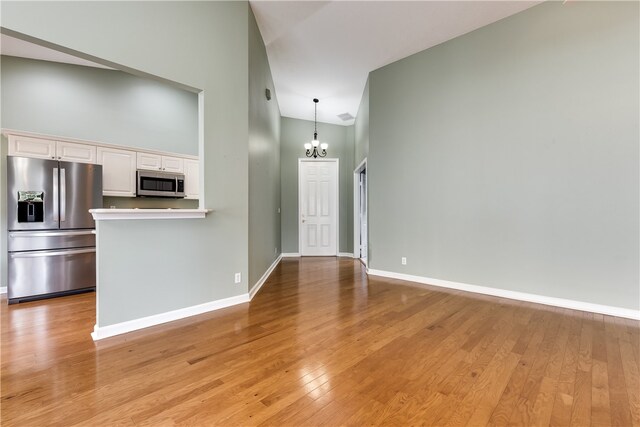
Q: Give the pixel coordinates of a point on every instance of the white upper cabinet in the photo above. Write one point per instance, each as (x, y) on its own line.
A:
(118, 171)
(118, 165)
(149, 161)
(191, 179)
(72, 152)
(26, 146)
(40, 148)
(172, 164)
(158, 162)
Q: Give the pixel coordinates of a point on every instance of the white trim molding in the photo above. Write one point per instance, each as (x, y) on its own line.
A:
(157, 319)
(515, 295)
(301, 161)
(345, 254)
(264, 278)
(3, 289)
(124, 214)
(357, 250)
(291, 255)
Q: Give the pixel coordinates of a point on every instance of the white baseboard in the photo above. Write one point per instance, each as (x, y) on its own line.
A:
(3, 289)
(264, 278)
(297, 255)
(157, 319)
(521, 296)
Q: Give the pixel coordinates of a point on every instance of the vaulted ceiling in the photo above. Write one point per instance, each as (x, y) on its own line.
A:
(326, 49)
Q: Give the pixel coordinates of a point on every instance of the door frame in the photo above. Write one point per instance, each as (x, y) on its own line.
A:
(356, 208)
(310, 160)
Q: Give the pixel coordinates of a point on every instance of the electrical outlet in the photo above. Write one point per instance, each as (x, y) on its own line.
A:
(404, 260)
(275, 250)
(278, 210)
(238, 277)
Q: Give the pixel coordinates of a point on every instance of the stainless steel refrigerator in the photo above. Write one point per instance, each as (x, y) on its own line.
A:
(51, 238)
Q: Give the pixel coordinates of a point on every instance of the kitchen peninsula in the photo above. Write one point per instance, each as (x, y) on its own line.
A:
(168, 213)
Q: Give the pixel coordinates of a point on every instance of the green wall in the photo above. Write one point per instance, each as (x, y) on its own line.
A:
(99, 105)
(201, 45)
(508, 157)
(264, 160)
(361, 127)
(295, 133)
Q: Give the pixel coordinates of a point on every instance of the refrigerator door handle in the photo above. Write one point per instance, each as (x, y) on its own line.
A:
(63, 195)
(55, 195)
(38, 254)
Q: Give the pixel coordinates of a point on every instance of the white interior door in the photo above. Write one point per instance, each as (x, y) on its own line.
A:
(318, 207)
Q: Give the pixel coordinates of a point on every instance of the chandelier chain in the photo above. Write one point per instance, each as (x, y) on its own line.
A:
(314, 148)
(315, 117)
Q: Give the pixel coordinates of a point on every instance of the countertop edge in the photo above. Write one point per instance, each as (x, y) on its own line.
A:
(127, 214)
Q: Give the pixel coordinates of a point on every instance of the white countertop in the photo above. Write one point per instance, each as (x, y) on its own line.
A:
(125, 214)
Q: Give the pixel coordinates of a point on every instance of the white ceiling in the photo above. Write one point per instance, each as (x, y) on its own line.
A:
(326, 49)
(12, 46)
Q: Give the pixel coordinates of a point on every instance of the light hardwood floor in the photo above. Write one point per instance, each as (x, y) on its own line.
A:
(322, 344)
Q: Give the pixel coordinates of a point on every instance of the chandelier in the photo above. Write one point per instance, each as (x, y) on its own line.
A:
(312, 147)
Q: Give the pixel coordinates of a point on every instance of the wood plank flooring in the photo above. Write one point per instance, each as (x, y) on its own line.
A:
(323, 344)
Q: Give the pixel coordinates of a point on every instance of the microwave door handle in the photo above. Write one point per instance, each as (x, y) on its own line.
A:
(55, 195)
(63, 195)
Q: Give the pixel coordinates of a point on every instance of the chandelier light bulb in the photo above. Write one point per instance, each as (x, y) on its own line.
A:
(315, 142)
(307, 146)
(324, 146)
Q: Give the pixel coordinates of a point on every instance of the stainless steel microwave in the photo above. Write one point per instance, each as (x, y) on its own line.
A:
(159, 184)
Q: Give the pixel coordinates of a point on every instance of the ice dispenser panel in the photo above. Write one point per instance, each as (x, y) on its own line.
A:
(30, 206)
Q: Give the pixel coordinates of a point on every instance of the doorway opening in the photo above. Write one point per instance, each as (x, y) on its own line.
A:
(360, 215)
(318, 207)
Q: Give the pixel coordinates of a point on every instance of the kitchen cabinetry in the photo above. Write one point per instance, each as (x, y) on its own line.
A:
(40, 148)
(149, 161)
(26, 146)
(172, 164)
(191, 179)
(118, 171)
(158, 162)
(118, 165)
(72, 152)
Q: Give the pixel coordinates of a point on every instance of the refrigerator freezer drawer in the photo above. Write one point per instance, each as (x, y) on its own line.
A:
(47, 240)
(33, 274)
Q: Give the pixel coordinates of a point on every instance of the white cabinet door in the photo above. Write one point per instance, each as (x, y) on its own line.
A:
(149, 161)
(172, 164)
(72, 152)
(118, 172)
(26, 146)
(191, 179)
